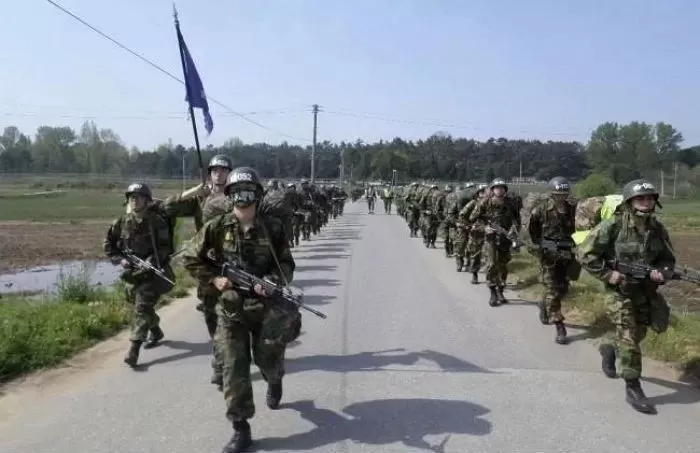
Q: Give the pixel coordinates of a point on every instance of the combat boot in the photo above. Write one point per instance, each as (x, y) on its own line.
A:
(493, 299)
(501, 298)
(607, 354)
(274, 395)
(132, 355)
(636, 398)
(543, 314)
(561, 333)
(459, 262)
(475, 278)
(241, 440)
(155, 337)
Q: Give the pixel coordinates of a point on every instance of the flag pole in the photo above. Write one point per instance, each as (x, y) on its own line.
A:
(189, 96)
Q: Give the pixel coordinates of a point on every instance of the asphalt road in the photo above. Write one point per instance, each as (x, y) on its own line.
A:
(411, 358)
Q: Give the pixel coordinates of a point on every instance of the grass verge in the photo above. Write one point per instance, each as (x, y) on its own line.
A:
(585, 306)
(37, 333)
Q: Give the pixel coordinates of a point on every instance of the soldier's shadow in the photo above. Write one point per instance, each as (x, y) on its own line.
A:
(383, 422)
(376, 361)
(680, 394)
(189, 350)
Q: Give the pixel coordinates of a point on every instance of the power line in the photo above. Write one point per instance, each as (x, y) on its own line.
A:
(430, 123)
(169, 74)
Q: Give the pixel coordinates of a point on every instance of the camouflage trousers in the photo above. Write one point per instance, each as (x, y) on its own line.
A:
(429, 227)
(387, 205)
(460, 236)
(370, 204)
(556, 287)
(207, 306)
(413, 219)
(498, 253)
(475, 248)
(632, 311)
(144, 295)
(244, 335)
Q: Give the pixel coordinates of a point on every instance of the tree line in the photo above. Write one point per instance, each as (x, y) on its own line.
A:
(619, 152)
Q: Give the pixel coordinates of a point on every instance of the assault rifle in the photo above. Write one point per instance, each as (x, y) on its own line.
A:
(144, 265)
(247, 282)
(513, 237)
(641, 271)
(561, 249)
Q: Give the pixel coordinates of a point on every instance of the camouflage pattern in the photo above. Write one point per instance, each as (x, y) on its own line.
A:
(413, 209)
(371, 197)
(501, 212)
(148, 236)
(633, 302)
(202, 209)
(429, 219)
(387, 195)
(472, 242)
(546, 222)
(245, 323)
(588, 213)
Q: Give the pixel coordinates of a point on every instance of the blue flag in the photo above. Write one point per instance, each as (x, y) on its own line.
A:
(194, 85)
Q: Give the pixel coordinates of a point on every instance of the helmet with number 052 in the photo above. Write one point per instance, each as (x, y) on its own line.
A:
(637, 188)
(244, 186)
(559, 185)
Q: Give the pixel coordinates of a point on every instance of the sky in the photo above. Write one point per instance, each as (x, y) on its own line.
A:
(379, 69)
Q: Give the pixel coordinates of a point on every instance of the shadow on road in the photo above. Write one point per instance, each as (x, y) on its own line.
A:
(312, 268)
(680, 394)
(189, 350)
(315, 299)
(327, 249)
(304, 283)
(383, 422)
(377, 361)
(322, 256)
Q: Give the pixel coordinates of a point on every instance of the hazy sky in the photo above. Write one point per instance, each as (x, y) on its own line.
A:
(547, 69)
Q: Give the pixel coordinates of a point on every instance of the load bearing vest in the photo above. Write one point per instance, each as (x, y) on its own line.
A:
(607, 211)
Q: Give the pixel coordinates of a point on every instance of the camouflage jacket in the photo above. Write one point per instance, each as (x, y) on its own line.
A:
(465, 213)
(426, 201)
(618, 238)
(255, 250)
(202, 208)
(147, 236)
(547, 222)
(503, 214)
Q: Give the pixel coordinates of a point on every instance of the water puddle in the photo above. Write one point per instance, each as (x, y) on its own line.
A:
(44, 279)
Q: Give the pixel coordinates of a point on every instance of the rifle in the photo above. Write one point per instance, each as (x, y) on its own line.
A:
(247, 281)
(513, 237)
(145, 265)
(560, 249)
(641, 271)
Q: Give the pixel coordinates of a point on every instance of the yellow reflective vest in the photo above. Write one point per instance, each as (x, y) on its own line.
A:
(607, 211)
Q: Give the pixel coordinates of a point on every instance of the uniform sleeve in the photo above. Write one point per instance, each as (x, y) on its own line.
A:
(176, 206)
(195, 258)
(280, 244)
(534, 226)
(111, 242)
(667, 257)
(477, 212)
(162, 241)
(595, 250)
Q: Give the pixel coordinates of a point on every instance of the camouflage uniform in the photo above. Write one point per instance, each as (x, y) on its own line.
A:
(413, 209)
(387, 199)
(636, 304)
(459, 234)
(371, 197)
(246, 321)
(429, 219)
(555, 223)
(203, 207)
(472, 238)
(147, 235)
(502, 213)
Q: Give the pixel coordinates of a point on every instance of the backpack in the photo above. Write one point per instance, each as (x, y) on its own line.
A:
(158, 209)
(274, 203)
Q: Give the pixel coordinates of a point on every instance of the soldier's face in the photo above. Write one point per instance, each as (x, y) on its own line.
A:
(137, 202)
(219, 175)
(644, 203)
(559, 198)
(498, 191)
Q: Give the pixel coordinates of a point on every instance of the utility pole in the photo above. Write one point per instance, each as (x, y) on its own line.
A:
(313, 145)
(342, 167)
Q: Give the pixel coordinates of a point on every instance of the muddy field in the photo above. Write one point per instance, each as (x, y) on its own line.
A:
(29, 244)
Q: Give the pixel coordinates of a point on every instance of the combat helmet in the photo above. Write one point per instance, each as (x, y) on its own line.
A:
(499, 182)
(220, 160)
(138, 188)
(559, 185)
(638, 188)
(251, 188)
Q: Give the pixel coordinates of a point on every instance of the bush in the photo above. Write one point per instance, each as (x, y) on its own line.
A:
(595, 185)
(77, 287)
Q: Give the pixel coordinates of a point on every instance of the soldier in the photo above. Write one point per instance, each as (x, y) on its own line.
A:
(554, 220)
(204, 202)
(496, 211)
(387, 198)
(633, 234)
(247, 320)
(413, 209)
(147, 234)
(371, 197)
(443, 205)
(429, 218)
(471, 239)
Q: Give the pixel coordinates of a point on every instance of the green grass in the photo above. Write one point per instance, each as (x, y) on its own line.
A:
(586, 306)
(37, 333)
